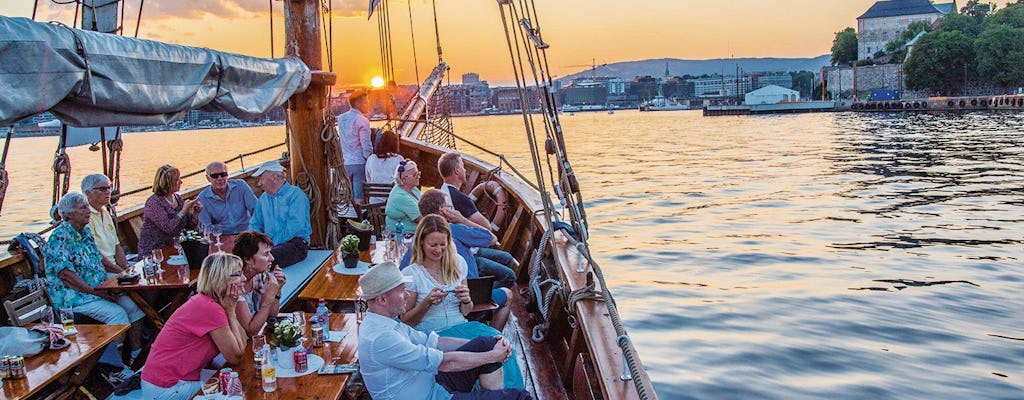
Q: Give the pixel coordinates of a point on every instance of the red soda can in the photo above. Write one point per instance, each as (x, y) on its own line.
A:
(301, 364)
(225, 380)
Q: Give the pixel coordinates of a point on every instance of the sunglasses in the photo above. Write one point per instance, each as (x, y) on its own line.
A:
(218, 175)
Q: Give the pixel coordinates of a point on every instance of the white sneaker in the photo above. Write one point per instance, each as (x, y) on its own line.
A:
(116, 377)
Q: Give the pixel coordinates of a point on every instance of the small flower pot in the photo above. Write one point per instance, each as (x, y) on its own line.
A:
(350, 260)
(195, 252)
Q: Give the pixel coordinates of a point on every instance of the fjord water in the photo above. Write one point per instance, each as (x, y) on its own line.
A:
(839, 256)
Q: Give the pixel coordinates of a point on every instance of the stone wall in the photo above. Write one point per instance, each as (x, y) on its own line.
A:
(840, 79)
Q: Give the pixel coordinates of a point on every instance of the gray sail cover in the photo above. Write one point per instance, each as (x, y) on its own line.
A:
(91, 79)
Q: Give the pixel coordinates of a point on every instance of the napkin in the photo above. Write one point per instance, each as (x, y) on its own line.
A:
(335, 336)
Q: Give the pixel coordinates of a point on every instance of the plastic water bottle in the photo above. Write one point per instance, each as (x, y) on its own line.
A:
(234, 387)
(323, 316)
(399, 229)
(269, 372)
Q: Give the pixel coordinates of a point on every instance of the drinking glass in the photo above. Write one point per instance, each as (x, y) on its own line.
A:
(158, 257)
(216, 232)
(178, 248)
(257, 343)
(46, 316)
(300, 319)
(67, 319)
(211, 391)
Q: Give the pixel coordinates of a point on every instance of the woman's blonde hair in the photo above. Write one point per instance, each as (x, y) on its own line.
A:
(215, 274)
(449, 267)
(166, 176)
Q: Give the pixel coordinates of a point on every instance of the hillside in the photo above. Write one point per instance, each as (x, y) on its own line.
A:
(627, 70)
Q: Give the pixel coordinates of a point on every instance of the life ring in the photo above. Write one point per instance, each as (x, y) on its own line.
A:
(498, 196)
(963, 103)
(950, 103)
(974, 102)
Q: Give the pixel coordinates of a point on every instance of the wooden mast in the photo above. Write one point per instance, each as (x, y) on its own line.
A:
(308, 166)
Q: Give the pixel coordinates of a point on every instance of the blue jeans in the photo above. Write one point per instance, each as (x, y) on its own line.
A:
(497, 263)
(460, 383)
(123, 312)
(357, 174)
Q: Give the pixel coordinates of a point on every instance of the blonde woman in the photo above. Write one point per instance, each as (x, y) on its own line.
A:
(166, 214)
(438, 297)
(203, 327)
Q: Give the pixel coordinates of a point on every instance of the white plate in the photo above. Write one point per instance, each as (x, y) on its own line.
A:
(177, 260)
(358, 270)
(313, 363)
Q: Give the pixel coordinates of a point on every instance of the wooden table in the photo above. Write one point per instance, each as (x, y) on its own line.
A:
(53, 365)
(313, 385)
(179, 278)
(334, 287)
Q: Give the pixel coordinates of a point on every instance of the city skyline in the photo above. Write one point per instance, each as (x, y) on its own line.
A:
(472, 38)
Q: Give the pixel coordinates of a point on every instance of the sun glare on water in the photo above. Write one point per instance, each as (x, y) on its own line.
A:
(377, 82)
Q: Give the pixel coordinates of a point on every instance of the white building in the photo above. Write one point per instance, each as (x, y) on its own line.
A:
(886, 20)
(771, 94)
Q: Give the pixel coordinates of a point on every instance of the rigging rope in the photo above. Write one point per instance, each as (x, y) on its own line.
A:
(412, 32)
(4, 181)
(270, 8)
(437, 33)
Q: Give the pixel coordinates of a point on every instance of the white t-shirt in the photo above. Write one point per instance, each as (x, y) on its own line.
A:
(439, 316)
(381, 171)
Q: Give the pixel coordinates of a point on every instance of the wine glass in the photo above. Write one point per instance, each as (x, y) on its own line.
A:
(178, 248)
(46, 316)
(257, 343)
(158, 258)
(216, 232)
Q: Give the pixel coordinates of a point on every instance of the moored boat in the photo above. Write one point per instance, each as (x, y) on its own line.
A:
(565, 324)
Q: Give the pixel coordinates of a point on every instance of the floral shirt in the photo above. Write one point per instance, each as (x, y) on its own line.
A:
(68, 249)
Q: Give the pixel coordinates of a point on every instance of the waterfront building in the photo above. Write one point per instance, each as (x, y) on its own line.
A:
(771, 94)
(470, 78)
(886, 20)
(471, 97)
(506, 99)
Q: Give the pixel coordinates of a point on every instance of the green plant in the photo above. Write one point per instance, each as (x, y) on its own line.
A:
(286, 335)
(350, 245)
(189, 235)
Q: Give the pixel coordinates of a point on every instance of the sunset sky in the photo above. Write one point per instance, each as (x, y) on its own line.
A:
(472, 36)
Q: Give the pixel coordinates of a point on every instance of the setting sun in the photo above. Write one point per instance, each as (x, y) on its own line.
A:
(377, 82)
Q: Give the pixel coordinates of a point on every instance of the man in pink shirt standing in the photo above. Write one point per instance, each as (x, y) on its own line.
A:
(354, 133)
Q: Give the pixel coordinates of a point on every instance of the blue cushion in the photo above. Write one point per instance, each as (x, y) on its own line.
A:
(301, 272)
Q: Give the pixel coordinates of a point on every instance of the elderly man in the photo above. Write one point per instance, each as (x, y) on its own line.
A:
(398, 362)
(282, 213)
(453, 171)
(97, 189)
(356, 146)
(227, 204)
(74, 268)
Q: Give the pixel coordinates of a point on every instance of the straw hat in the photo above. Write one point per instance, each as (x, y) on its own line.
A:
(381, 278)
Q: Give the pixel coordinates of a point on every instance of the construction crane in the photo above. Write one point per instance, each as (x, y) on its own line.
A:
(593, 67)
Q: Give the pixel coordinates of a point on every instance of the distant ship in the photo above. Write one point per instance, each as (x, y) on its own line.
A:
(662, 103)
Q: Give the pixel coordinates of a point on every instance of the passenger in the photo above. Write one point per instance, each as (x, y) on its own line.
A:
(398, 362)
(263, 281)
(166, 214)
(202, 328)
(381, 165)
(453, 171)
(228, 203)
(74, 268)
(354, 134)
(97, 189)
(469, 237)
(282, 213)
(403, 201)
(439, 298)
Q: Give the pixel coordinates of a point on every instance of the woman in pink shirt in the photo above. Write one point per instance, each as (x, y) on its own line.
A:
(203, 327)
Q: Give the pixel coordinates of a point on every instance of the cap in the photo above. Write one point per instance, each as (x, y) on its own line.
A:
(381, 278)
(274, 166)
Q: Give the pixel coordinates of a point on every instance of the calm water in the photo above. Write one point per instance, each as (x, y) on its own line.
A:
(838, 256)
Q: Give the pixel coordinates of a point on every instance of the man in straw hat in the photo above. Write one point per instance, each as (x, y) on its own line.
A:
(398, 362)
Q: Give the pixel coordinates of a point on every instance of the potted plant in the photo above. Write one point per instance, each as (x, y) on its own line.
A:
(349, 250)
(286, 336)
(196, 247)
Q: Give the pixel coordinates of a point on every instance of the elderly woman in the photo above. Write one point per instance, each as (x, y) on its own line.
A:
(74, 267)
(439, 298)
(166, 214)
(381, 165)
(403, 201)
(202, 328)
(263, 281)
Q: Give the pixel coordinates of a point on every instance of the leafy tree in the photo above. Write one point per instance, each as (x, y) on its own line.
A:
(803, 82)
(844, 47)
(977, 10)
(1012, 15)
(1000, 48)
(941, 61)
(959, 22)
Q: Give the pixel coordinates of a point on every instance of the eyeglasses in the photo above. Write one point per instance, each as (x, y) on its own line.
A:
(218, 175)
(102, 188)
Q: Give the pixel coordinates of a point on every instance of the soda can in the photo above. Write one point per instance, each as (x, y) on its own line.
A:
(17, 365)
(5, 367)
(225, 380)
(301, 364)
(317, 335)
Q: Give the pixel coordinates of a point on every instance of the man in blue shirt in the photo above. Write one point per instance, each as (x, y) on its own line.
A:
(227, 204)
(398, 362)
(282, 213)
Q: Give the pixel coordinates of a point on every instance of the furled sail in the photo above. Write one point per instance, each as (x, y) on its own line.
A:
(92, 79)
